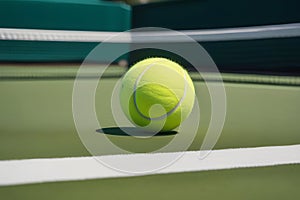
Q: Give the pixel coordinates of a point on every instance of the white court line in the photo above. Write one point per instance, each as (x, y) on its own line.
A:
(206, 35)
(15, 172)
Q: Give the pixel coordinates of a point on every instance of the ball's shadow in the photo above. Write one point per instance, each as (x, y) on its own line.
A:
(132, 131)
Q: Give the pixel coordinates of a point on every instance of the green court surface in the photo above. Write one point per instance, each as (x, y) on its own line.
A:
(36, 113)
(36, 122)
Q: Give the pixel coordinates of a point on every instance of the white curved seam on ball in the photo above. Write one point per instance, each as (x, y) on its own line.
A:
(134, 91)
(169, 112)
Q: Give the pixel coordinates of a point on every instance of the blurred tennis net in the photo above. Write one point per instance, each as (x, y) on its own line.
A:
(213, 35)
(269, 49)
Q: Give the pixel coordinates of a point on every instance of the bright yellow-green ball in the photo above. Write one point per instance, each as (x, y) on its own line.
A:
(157, 94)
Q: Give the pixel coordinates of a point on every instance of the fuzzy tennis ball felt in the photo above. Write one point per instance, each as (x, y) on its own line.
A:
(157, 94)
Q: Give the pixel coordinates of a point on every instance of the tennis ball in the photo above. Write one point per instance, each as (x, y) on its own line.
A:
(157, 94)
